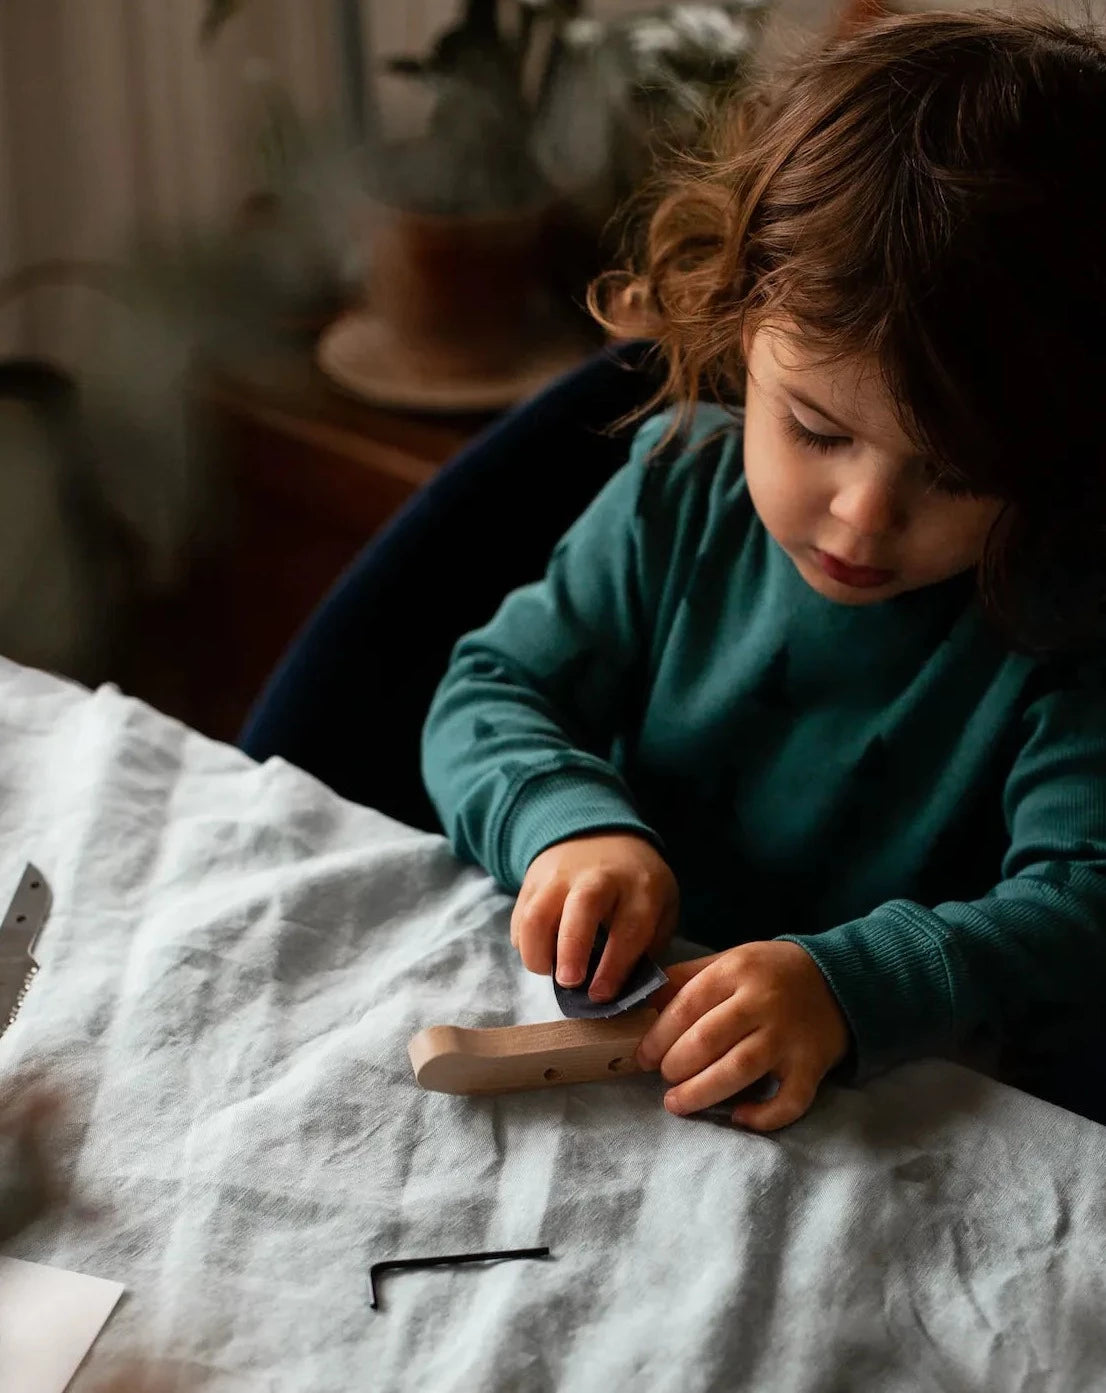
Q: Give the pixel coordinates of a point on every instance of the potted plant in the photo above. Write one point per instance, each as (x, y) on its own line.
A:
(540, 120)
(459, 308)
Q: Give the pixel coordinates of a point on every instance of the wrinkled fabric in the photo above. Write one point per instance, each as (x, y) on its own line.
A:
(234, 964)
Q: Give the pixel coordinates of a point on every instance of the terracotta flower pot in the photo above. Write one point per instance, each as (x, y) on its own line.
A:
(461, 293)
(458, 315)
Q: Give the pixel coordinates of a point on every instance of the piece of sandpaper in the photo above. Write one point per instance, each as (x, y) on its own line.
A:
(49, 1320)
(644, 979)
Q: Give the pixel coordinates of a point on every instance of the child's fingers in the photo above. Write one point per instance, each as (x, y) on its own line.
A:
(713, 1035)
(146, 1377)
(588, 904)
(534, 927)
(739, 1067)
(679, 974)
(665, 926)
(798, 1088)
(518, 912)
(28, 1186)
(632, 927)
(697, 995)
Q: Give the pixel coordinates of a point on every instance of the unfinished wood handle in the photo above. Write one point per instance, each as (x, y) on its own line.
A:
(504, 1059)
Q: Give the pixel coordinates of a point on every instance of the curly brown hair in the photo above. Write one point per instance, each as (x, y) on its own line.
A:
(929, 193)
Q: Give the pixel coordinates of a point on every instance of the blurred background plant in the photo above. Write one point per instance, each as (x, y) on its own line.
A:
(537, 96)
(112, 490)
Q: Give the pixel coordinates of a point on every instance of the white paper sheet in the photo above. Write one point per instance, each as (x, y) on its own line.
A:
(49, 1320)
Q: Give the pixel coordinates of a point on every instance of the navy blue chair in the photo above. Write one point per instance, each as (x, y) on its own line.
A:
(348, 701)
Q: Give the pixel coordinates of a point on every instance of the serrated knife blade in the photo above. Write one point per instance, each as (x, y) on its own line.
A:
(19, 931)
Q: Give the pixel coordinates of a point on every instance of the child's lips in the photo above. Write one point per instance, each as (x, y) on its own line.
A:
(859, 577)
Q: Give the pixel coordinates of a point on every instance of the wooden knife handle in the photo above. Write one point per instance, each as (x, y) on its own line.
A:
(506, 1059)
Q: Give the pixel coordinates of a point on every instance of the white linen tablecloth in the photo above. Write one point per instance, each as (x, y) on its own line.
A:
(234, 964)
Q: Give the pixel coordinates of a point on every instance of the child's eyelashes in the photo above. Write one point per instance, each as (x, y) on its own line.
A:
(802, 435)
(950, 485)
(940, 481)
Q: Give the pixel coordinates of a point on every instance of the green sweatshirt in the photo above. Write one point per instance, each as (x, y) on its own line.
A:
(886, 785)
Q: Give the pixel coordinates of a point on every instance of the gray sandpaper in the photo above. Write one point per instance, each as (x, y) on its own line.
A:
(644, 979)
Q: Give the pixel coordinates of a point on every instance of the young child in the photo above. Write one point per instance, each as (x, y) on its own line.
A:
(821, 665)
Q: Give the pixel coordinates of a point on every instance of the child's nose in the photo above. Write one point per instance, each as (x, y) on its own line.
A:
(867, 503)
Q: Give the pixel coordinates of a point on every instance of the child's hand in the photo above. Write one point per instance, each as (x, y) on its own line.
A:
(27, 1186)
(761, 1008)
(570, 889)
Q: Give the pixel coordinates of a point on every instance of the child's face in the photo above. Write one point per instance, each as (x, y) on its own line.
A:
(838, 484)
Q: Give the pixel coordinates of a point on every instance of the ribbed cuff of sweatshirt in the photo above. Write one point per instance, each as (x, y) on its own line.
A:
(894, 977)
(553, 806)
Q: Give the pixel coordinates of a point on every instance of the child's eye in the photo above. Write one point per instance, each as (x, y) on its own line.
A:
(811, 439)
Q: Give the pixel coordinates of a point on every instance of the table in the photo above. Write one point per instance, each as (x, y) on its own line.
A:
(235, 962)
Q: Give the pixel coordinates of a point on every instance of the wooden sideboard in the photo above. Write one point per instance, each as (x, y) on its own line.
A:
(304, 476)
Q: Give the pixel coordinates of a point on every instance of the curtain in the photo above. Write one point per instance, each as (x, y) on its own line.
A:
(114, 122)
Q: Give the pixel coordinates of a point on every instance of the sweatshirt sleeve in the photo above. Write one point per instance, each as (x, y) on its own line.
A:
(517, 747)
(1028, 959)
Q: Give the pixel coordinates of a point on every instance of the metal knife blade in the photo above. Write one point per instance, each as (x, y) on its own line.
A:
(19, 930)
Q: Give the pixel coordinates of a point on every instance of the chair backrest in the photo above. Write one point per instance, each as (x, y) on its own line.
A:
(349, 700)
